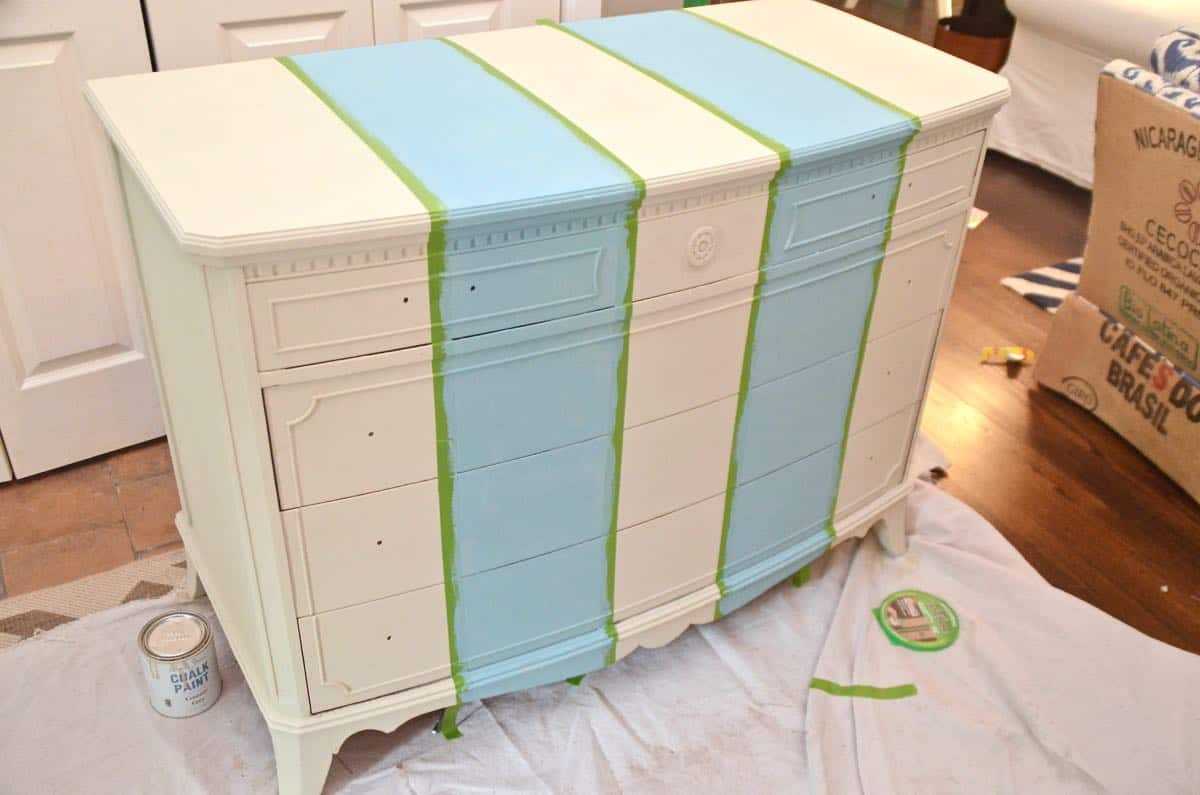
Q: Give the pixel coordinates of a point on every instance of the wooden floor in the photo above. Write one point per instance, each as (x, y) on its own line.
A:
(1087, 510)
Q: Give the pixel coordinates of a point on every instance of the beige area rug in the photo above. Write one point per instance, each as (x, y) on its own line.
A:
(26, 615)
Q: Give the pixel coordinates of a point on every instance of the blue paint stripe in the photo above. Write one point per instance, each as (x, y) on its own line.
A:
(812, 116)
(474, 140)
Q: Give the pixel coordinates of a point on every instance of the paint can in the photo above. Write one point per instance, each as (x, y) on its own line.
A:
(180, 664)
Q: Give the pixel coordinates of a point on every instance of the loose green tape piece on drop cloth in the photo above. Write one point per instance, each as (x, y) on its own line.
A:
(864, 691)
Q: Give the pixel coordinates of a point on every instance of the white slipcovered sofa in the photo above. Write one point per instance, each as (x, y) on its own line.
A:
(1058, 50)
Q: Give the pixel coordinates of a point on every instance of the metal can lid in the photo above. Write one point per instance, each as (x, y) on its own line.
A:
(174, 636)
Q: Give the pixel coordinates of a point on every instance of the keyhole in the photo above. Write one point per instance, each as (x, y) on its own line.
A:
(406, 299)
(472, 288)
(872, 197)
(379, 543)
(389, 637)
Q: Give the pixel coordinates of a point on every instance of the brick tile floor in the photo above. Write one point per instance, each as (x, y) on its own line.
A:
(87, 518)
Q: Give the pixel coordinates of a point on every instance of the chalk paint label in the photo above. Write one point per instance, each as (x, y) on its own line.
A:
(918, 621)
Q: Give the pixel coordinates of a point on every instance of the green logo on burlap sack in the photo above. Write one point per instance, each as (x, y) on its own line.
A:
(918, 621)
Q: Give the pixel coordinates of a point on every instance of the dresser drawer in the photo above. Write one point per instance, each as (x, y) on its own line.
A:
(667, 557)
(335, 436)
(512, 610)
(938, 176)
(355, 550)
(319, 317)
(688, 241)
(822, 214)
(893, 371)
(875, 459)
(347, 428)
(917, 269)
(314, 318)
(676, 461)
(686, 348)
(370, 650)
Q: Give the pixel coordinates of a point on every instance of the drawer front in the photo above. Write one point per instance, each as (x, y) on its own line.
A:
(508, 286)
(939, 176)
(894, 371)
(795, 416)
(824, 214)
(674, 462)
(780, 509)
(352, 434)
(316, 318)
(343, 435)
(876, 458)
(364, 548)
(667, 557)
(685, 349)
(533, 505)
(370, 650)
(321, 317)
(915, 278)
(680, 246)
(530, 605)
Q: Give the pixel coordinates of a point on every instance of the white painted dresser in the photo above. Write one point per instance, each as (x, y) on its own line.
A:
(481, 381)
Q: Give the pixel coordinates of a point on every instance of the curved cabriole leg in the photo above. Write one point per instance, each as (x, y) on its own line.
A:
(302, 760)
(191, 587)
(892, 529)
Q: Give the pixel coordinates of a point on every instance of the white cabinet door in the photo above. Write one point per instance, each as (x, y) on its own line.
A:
(203, 32)
(74, 377)
(402, 20)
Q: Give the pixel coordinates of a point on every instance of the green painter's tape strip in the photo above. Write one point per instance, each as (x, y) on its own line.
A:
(887, 235)
(802, 576)
(694, 3)
(436, 254)
(785, 161)
(631, 233)
(862, 340)
(448, 726)
(575, 680)
(864, 691)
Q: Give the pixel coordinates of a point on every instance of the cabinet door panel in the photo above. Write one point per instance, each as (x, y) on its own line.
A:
(221, 31)
(75, 380)
(404, 20)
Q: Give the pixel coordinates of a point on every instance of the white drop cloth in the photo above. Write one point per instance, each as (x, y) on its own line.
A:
(1035, 678)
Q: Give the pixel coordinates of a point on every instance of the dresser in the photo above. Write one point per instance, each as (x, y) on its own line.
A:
(486, 360)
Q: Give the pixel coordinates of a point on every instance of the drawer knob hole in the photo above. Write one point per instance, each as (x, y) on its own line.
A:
(379, 543)
(389, 637)
(406, 299)
(370, 433)
(472, 288)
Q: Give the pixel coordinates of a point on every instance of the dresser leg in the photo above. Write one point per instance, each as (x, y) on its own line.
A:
(302, 760)
(892, 529)
(191, 587)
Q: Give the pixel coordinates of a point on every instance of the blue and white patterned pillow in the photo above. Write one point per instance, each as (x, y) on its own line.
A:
(1153, 84)
(1176, 56)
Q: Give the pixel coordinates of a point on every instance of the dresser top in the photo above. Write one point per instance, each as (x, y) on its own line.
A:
(344, 147)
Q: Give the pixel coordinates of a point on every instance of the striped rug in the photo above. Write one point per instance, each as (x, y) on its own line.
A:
(1047, 287)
